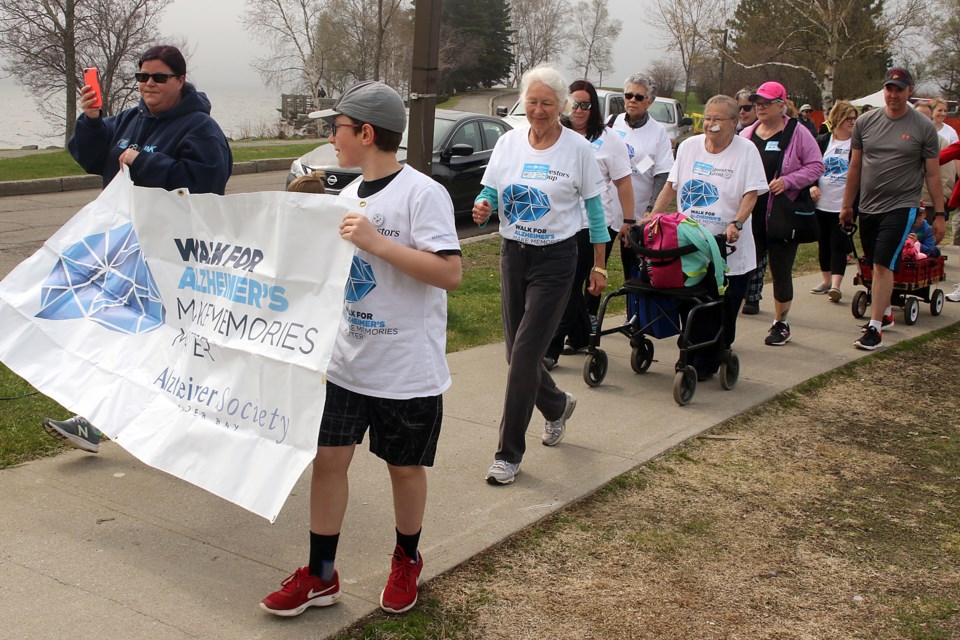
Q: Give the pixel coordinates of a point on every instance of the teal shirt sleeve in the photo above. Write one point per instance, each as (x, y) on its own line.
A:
(490, 195)
(597, 220)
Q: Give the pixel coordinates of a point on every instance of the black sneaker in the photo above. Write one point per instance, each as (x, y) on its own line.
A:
(550, 363)
(751, 308)
(886, 323)
(779, 334)
(76, 431)
(870, 340)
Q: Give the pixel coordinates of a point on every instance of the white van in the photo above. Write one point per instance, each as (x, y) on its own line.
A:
(611, 103)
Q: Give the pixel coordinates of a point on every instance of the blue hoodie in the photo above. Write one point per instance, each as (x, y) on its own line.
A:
(182, 147)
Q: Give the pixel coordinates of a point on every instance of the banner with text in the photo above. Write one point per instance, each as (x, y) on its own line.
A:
(194, 330)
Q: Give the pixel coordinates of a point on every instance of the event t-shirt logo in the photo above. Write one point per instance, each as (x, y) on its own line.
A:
(361, 281)
(835, 166)
(524, 204)
(697, 193)
(104, 278)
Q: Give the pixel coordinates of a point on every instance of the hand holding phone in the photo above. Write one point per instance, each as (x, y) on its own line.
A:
(91, 78)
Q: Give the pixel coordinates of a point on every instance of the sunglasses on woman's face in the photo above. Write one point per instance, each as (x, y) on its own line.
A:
(639, 97)
(583, 106)
(159, 78)
(746, 107)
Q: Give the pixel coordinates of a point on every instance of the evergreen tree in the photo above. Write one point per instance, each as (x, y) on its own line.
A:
(475, 48)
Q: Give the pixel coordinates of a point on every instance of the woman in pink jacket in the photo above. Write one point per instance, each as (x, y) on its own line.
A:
(802, 166)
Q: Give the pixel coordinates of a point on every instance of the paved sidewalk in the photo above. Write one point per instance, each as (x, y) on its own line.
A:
(101, 546)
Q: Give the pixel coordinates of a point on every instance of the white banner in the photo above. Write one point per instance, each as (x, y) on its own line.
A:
(193, 330)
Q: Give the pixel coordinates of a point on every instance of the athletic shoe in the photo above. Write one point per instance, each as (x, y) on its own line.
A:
(886, 323)
(301, 590)
(779, 334)
(553, 429)
(751, 307)
(870, 340)
(820, 289)
(400, 594)
(502, 472)
(77, 432)
(550, 363)
(570, 350)
(955, 296)
(834, 294)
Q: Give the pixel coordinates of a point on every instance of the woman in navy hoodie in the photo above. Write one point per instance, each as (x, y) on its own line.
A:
(169, 140)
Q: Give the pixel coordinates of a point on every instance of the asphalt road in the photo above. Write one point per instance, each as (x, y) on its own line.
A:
(27, 221)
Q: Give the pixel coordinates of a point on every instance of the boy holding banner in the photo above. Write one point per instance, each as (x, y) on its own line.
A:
(388, 368)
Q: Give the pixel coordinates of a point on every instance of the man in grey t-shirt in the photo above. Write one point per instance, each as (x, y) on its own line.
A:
(894, 150)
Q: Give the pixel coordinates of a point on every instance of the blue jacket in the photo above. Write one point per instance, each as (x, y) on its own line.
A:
(182, 147)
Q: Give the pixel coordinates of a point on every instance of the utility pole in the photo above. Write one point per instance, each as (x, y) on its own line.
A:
(423, 84)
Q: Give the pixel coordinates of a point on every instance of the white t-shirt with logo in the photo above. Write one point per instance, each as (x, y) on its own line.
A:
(614, 161)
(710, 187)
(650, 154)
(833, 182)
(540, 190)
(948, 133)
(393, 332)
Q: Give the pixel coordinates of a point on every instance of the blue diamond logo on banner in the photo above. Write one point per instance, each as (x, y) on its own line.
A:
(697, 193)
(361, 282)
(524, 204)
(104, 278)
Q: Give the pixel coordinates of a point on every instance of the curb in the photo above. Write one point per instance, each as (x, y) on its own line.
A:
(76, 183)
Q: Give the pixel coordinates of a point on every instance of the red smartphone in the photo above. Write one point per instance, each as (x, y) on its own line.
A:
(92, 78)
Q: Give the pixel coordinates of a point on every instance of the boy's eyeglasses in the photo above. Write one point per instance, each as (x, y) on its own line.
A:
(583, 106)
(335, 125)
(159, 78)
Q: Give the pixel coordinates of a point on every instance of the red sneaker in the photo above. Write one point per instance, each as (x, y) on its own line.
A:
(301, 590)
(400, 594)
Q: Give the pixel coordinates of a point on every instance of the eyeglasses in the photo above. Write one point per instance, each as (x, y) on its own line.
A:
(709, 119)
(583, 106)
(851, 119)
(335, 125)
(759, 103)
(159, 78)
(634, 96)
(746, 107)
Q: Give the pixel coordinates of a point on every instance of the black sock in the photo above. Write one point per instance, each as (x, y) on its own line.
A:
(409, 543)
(323, 554)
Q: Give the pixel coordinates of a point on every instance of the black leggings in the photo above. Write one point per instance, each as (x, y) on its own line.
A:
(833, 245)
(781, 256)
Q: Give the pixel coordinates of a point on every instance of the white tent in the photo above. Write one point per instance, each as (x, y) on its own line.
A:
(874, 100)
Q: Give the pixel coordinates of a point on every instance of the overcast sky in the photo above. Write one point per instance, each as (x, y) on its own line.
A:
(222, 48)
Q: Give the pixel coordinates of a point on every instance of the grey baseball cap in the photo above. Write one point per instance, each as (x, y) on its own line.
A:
(371, 102)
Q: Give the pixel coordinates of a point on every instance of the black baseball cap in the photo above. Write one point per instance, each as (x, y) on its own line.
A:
(898, 76)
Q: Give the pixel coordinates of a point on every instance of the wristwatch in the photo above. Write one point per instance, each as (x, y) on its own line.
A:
(602, 272)
(941, 214)
(738, 225)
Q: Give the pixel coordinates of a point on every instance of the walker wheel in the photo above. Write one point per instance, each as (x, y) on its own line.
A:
(685, 385)
(911, 311)
(729, 370)
(642, 356)
(595, 367)
(859, 304)
(936, 303)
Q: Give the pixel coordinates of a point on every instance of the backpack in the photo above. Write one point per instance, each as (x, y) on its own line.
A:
(676, 252)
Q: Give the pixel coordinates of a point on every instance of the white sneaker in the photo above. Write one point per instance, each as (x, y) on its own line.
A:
(955, 296)
(553, 429)
(502, 472)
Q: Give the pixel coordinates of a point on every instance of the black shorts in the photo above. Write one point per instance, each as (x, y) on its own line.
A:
(884, 234)
(402, 432)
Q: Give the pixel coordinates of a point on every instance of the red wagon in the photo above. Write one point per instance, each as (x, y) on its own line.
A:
(916, 280)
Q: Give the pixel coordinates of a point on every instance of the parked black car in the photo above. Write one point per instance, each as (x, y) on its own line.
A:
(462, 143)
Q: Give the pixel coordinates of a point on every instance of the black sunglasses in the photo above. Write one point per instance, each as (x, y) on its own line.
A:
(634, 96)
(583, 106)
(746, 107)
(159, 78)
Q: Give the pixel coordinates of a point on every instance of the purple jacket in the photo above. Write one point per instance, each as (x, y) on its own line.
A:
(802, 160)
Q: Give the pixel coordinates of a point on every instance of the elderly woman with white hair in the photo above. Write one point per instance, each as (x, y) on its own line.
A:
(540, 178)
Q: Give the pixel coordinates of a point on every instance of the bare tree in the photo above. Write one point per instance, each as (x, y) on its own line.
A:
(289, 29)
(593, 33)
(666, 74)
(386, 10)
(824, 33)
(47, 44)
(540, 28)
(944, 61)
(686, 27)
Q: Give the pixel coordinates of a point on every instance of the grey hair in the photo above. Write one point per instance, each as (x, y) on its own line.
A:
(548, 76)
(744, 94)
(642, 81)
(731, 104)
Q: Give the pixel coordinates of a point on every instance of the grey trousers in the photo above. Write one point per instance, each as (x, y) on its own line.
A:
(535, 283)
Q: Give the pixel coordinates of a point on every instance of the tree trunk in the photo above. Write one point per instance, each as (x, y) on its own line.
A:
(70, 65)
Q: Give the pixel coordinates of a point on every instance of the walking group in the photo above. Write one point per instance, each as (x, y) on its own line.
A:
(566, 189)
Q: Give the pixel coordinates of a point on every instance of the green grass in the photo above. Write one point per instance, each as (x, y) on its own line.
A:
(292, 150)
(21, 437)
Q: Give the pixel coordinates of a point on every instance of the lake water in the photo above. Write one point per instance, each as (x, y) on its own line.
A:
(239, 112)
